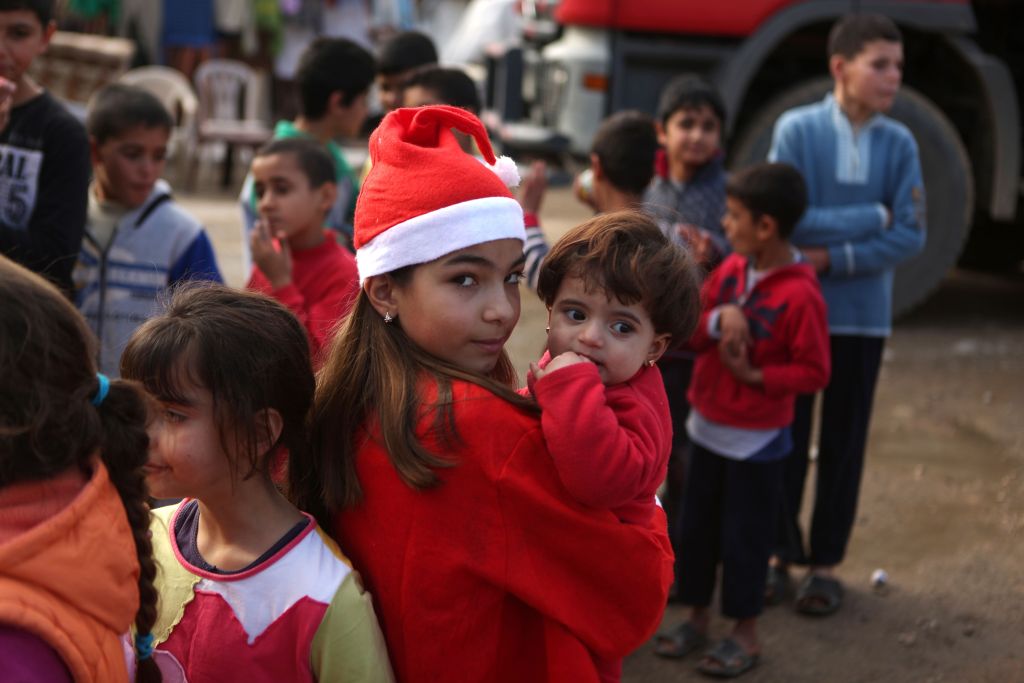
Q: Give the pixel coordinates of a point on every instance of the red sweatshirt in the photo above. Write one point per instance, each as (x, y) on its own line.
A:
(324, 284)
(610, 444)
(498, 573)
(788, 326)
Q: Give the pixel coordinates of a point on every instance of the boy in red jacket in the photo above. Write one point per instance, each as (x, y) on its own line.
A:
(297, 260)
(762, 340)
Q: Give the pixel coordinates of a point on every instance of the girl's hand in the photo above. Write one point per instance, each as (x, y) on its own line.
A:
(273, 260)
(562, 360)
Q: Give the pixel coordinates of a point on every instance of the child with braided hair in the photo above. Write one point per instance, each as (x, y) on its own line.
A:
(76, 566)
(250, 587)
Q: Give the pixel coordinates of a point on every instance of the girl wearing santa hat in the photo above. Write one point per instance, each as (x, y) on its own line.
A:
(429, 468)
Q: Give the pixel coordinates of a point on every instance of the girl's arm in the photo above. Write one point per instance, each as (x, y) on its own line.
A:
(604, 581)
(348, 645)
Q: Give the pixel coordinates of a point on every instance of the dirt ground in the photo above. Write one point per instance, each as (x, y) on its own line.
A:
(942, 503)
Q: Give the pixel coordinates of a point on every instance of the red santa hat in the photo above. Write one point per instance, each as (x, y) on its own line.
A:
(425, 197)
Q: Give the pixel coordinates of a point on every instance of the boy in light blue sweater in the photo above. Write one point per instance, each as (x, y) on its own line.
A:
(865, 217)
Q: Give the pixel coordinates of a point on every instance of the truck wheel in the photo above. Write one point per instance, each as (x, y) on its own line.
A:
(949, 184)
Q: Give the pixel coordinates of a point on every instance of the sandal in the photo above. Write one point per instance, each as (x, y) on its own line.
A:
(728, 659)
(777, 585)
(819, 596)
(679, 641)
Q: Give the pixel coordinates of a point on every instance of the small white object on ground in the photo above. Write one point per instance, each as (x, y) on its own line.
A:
(879, 578)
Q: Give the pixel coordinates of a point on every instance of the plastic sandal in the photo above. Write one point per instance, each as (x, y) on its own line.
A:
(679, 641)
(819, 596)
(728, 659)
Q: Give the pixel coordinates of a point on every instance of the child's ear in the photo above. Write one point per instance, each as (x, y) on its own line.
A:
(766, 226)
(336, 101)
(48, 32)
(595, 166)
(383, 294)
(326, 196)
(659, 127)
(269, 425)
(659, 346)
(94, 151)
(836, 66)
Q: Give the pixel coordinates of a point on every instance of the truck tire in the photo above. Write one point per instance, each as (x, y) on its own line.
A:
(949, 183)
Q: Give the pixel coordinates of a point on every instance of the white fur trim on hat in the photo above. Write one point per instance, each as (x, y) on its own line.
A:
(432, 235)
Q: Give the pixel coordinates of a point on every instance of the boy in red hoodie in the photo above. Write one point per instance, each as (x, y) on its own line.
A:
(762, 340)
(297, 260)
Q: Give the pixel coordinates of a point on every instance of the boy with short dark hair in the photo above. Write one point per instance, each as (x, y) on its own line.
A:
(138, 241)
(688, 192)
(438, 85)
(399, 59)
(334, 77)
(866, 216)
(621, 165)
(762, 340)
(298, 261)
(45, 171)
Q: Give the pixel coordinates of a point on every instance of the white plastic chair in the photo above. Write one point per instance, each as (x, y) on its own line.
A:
(228, 92)
(175, 92)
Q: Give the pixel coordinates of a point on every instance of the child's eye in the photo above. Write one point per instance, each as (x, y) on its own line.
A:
(514, 278)
(464, 280)
(173, 416)
(622, 328)
(575, 314)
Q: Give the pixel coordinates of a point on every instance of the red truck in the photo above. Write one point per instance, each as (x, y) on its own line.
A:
(584, 59)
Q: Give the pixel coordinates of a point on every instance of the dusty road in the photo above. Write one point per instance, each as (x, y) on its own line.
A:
(942, 507)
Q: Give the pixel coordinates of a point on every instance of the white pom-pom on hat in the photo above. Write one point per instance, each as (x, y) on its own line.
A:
(507, 171)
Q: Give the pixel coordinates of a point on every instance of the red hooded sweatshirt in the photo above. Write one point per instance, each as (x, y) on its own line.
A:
(789, 332)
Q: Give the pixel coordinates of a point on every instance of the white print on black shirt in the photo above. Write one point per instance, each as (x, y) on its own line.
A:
(19, 182)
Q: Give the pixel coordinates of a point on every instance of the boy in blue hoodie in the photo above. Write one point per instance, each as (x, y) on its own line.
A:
(865, 217)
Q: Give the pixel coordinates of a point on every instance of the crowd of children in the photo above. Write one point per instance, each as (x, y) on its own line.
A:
(360, 489)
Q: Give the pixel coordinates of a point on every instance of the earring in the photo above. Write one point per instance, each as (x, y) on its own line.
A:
(649, 362)
(387, 317)
(548, 328)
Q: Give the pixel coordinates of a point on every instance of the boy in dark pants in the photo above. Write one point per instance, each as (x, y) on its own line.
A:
(761, 341)
(865, 217)
(687, 195)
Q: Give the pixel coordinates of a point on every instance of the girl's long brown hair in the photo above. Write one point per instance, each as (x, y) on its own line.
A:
(48, 424)
(374, 371)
